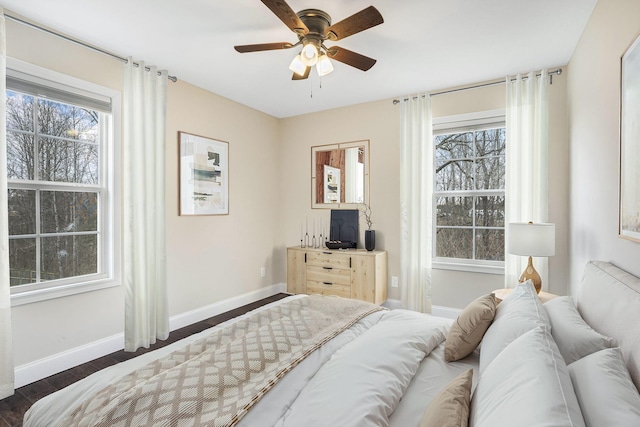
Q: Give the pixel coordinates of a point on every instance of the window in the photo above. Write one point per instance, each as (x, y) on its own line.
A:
(60, 153)
(469, 195)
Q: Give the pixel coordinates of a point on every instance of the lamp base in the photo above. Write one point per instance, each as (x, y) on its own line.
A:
(530, 273)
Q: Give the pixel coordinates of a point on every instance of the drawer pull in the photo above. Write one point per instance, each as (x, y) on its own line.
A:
(328, 283)
(327, 253)
(328, 268)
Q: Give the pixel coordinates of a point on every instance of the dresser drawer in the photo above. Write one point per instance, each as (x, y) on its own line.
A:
(329, 259)
(321, 288)
(330, 275)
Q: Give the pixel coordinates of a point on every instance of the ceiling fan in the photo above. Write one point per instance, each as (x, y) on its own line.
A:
(313, 27)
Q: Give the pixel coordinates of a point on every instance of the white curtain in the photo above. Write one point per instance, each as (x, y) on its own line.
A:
(6, 346)
(527, 177)
(416, 189)
(144, 142)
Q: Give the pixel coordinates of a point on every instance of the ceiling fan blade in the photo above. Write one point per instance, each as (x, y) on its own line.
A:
(350, 58)
(302, 77)
(360, 21)
(264, 46)
(282, 10)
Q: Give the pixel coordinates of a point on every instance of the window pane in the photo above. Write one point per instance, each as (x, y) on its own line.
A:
(22, 261)
(68, 211)
(490, 173)
(490, 244)
(454, 211)
(68, 161)
(20, 154)
(454, 175)
(490, 211)
(67, 121)
(68, 256)
(491, 142)
(19, 111)
(22, 212)
(454, 243)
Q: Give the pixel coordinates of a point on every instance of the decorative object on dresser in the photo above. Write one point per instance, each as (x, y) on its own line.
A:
(356, 274)
(531, 240)
(369, 234)
(343, 231)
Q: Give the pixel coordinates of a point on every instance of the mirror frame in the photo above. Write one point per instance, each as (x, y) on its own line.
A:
(343, 145)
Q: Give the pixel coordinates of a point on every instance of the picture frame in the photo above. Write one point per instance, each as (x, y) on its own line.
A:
(629, 191)
(204, 175)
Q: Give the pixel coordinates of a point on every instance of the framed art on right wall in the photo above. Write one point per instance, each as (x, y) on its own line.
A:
(629, 227)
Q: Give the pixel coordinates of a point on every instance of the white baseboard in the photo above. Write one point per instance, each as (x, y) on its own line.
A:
(45, 367)
(436, 310)
(202, 313)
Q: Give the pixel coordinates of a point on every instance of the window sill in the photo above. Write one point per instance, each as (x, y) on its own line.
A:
(496, 268)
(28, 297)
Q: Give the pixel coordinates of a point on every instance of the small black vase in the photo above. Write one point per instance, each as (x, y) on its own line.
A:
(370, 239)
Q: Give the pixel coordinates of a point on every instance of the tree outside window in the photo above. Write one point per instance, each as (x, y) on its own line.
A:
(469, 194)
(53, 164)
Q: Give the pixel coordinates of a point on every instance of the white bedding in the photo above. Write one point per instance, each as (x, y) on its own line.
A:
(390, 347)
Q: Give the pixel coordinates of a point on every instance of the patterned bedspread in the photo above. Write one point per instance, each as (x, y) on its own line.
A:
(216, 380)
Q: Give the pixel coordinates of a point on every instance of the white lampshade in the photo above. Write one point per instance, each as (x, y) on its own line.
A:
(324, 65)
(297, 66)
(538, 240)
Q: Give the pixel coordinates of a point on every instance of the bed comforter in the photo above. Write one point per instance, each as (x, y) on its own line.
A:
(361, 372)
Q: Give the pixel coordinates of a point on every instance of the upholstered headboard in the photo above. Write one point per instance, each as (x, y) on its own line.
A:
(609, 301)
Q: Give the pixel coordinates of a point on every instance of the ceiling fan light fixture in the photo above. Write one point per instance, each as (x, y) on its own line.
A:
(297, 66)
(309, 55)
(324, 65)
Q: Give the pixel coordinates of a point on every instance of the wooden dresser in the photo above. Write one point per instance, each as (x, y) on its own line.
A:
(353, 273)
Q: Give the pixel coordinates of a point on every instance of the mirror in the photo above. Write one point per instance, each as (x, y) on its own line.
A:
(340, 175)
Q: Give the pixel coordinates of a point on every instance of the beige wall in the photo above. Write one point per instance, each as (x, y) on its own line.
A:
(209, 258)
(380, 123)
(594, 105)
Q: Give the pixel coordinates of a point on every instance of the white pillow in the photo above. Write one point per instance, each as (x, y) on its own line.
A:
(518, 313)
(574, 337)
(605, 391)
(527, 384)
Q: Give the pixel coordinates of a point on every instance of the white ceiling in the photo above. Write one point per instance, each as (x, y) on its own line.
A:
(423, 45)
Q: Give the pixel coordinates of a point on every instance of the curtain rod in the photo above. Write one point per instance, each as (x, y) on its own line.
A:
(550, 73)
(78, 42)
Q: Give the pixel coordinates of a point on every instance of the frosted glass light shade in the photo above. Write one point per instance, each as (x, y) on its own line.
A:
(309, 55)
(324, 65)
(297, 66)
(528, 239)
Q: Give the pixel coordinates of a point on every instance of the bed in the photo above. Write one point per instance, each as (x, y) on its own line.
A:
(375, 367)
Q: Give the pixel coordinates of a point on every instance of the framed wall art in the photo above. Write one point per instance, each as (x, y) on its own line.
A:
(629, 227)
(204, 175)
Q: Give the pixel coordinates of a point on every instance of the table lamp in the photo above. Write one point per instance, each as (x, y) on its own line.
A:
(531, 240)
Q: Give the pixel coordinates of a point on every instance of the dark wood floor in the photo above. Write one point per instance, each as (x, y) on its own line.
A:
(12, 409)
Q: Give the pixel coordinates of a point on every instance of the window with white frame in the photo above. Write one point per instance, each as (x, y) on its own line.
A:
(61, 184)
(469, 192)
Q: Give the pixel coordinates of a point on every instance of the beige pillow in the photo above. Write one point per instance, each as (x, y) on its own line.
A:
(450, 408)
(467, 331)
